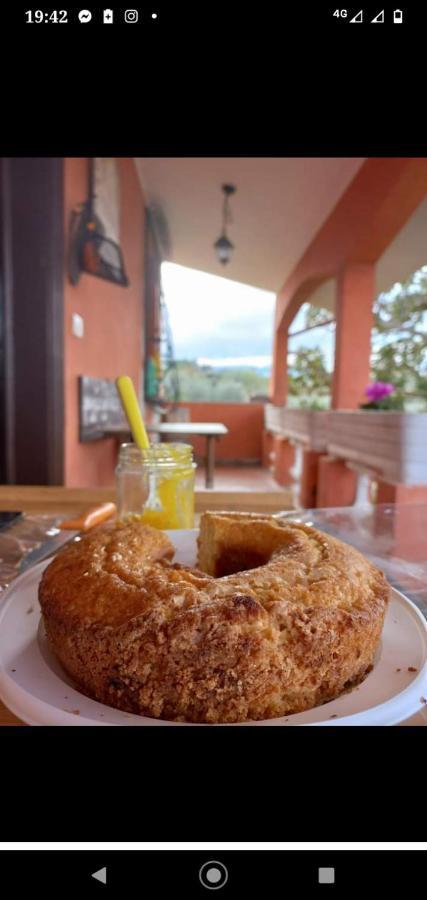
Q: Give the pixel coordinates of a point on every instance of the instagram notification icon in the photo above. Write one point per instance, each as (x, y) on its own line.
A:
(131, 15)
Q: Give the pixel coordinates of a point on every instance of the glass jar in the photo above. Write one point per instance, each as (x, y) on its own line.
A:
(157, 485)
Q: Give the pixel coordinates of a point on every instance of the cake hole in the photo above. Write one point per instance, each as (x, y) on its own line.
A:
(232, 560)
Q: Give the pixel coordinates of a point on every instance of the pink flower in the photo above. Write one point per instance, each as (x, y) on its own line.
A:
(378, 390)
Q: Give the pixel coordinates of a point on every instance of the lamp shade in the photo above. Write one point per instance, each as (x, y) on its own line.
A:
(224, 249)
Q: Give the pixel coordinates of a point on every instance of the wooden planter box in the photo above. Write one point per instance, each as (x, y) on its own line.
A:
(305, 426)
(394, 444)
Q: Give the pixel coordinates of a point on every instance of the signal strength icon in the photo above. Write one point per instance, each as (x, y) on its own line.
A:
(379, 17)
(358, 17)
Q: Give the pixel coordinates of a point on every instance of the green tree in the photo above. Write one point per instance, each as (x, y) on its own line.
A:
(400, 335)
(205, 384)
(316, 315)
(309, 378)
(252, 380)
(229, 392)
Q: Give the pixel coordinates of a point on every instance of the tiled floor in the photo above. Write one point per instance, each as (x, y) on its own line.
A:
(239, 478)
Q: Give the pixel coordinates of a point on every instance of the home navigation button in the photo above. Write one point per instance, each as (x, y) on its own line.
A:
(213, 875)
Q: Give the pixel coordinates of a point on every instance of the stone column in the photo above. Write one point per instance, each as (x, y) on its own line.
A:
(309, 477)
(267, 449)
(284, 458)
(354, 319)
(336, 484)
(279, 373)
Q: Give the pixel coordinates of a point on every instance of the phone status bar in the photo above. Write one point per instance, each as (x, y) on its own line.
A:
(177, 16)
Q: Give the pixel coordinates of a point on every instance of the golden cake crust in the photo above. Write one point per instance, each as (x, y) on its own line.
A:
(277, 619)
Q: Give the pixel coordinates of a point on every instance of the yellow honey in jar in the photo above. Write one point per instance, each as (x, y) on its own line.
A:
(157, 485)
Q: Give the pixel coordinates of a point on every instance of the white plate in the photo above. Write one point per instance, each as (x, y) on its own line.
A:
(34, 686)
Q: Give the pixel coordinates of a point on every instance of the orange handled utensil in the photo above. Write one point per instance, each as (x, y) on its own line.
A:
(90, 518)
(75, 527)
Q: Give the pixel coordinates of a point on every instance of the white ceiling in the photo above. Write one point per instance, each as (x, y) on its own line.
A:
(279, 206)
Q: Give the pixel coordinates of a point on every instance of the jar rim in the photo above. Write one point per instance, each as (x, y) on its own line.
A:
(163, 453)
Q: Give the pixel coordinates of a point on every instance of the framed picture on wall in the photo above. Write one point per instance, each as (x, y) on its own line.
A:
(95, 227)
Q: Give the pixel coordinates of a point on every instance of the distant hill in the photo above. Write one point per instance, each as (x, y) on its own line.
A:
(211, 383)
(259, 370)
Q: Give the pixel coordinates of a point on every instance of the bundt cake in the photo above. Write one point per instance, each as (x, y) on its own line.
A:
(276, 619)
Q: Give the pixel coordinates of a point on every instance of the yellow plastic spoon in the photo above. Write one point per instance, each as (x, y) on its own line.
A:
(130, 405)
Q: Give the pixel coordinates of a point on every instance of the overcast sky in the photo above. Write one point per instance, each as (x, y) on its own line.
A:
(215, 319)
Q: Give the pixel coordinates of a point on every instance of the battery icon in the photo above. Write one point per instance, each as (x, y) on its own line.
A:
(398, 16)
(108, 16)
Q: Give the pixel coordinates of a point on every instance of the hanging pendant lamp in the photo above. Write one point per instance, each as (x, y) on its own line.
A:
(223, 246)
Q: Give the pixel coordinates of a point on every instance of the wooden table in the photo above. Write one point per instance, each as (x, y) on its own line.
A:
(68, 501)
(72, 501)
(210, 430)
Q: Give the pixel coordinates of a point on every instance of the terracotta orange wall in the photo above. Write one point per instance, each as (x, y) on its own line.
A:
(245, 422)
(113, 323)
